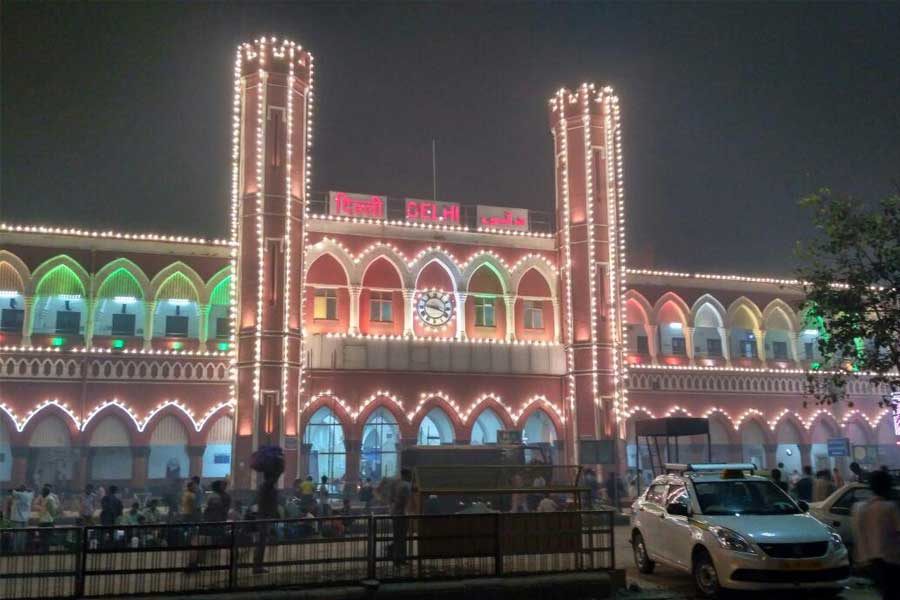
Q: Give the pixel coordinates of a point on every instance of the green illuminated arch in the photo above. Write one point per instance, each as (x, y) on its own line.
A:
(177, 285)
(221, 294)
(120, 282)
(60, 280)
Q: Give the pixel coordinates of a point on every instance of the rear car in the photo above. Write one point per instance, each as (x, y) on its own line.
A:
(733, 530)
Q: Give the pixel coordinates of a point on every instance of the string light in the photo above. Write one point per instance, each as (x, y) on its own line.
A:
(110, 234)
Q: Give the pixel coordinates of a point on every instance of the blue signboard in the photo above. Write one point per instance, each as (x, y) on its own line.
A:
(839, 447)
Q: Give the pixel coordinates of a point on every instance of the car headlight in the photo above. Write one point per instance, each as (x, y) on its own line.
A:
(731, 540)
(837, 542)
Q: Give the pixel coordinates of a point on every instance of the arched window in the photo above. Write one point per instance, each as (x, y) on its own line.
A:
(60, 303)
(485, 429)
(707, 341)
(778, 336)
(51, 456)
(539, 429)
(168, 450)
(220, 314)
(380, 441)
(110, 451)
(176, 309)
(217, 455)
(12, 306)
(327, 455)
(119, 306)
(435, 429)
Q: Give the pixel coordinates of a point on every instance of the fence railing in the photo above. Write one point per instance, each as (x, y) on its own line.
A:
(241, 555)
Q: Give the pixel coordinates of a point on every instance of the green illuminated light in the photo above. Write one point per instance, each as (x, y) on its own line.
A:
(118, 344)
(58, 341)
(815, 366)
(177, 345)
(223, 346)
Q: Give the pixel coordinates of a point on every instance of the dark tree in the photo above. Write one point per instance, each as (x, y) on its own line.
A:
(851, 276)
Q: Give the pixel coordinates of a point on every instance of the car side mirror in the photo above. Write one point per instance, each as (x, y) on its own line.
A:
(804, 505)
(677, 509)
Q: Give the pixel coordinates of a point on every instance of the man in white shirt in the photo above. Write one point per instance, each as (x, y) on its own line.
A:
(20, 515)
(876, 528)
(547, 505)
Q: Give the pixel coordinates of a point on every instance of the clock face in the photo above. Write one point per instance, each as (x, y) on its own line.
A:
(435, 308)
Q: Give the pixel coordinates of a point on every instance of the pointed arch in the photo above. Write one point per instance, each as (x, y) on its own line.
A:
(334, 404)
(181, 278)
(790, 419)
(778, 308)
(493, 402)
(541, 403)
(372, 254)
(743, 311)
(489, 260)
(120, 267)
(13, 265)
(674, 300)
(214, 287)
(435, 420)
(636, 301)
(390, 403)
(60, 280)
(429, 402)
(115, 409)
(445, 261)
(69, 419)
(757, 420)
(710, 307)
(66, 262)
(337, 252)
(537, 263)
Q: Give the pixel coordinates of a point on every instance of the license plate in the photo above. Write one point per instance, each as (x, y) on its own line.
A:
(805, 565)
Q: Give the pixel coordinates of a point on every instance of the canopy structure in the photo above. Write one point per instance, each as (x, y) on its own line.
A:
(670, 428)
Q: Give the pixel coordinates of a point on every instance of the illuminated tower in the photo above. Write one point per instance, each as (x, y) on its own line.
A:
(273, 103)
(589, 207)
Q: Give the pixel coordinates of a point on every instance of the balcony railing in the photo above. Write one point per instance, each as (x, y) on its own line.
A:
(117, 561)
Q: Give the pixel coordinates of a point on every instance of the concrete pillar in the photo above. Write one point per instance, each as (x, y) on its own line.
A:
(203, 329)
(140, 456)
(353, 449)
(81, 466)
(725, 336)
(409, 312)
(355, 291)
(461, 315)
(653, 342)
(149, 309)
(89, 305)
(20, 456)
(510, 303)
(794, 339)
(689, 343)
(770, 451)
(28, 320)
(195, 454)
(760, 335)
(556, 319)
(806, 458)
(303, 466)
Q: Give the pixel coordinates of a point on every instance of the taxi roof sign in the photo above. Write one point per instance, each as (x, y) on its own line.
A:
(709, 468)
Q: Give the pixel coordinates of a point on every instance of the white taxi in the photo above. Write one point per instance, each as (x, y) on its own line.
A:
(733, 530)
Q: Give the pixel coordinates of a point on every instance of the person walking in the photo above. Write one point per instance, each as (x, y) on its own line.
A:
(837, 478)
(876, 528)
(20, 515)
(804, 487)
(87, 506)
(47, 507)
(189, 509)
(777, 480)
(823, 486)
(399, 503)
(307, 491)
(325, 507)
(366, 494)
(110, 507)
(266, 508)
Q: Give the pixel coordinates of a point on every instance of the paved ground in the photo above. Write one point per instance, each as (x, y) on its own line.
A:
(666, 583)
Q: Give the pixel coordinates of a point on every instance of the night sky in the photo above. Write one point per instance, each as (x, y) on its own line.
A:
(118, 116)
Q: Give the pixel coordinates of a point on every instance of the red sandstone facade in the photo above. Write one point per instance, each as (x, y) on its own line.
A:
(242, 342)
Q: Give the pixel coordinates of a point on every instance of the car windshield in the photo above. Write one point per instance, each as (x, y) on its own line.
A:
(743, 498)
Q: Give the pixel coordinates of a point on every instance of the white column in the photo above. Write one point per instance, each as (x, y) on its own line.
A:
(461, 315)
(354, 308)
(556, 319)
(725, 336)
(89, 305)
(794, 338)
(510, 302)
(28, 320)
(689, 343)
(409, 297)
(760, 335)
(203, 328)
(149, 309)
(653, 342)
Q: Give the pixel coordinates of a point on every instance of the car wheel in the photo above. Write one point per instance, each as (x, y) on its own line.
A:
(641, 558)
(706, 579)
